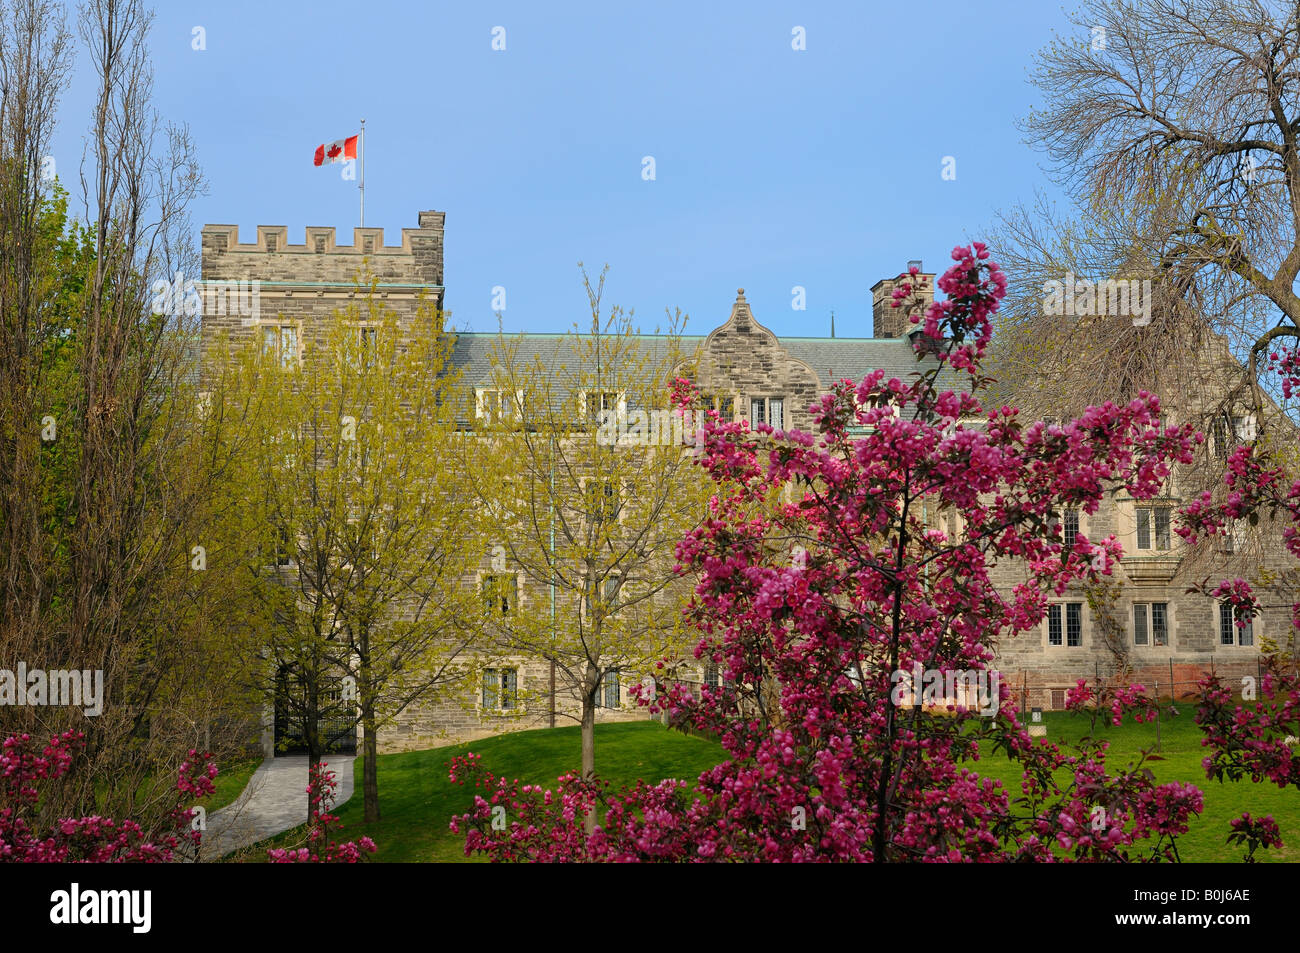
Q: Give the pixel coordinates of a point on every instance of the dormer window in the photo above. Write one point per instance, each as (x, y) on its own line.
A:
(767, 410)
(1228, 431)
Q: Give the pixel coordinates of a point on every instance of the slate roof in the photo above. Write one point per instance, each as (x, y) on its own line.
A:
(830, 358)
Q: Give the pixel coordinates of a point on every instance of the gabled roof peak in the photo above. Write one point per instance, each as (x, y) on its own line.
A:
(742, 318)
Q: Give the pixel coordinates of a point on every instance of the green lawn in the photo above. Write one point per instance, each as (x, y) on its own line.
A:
(417, 799)
(1180, 758)
(230, 780)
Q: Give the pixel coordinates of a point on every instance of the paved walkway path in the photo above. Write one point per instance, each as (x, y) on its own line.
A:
(274, 800)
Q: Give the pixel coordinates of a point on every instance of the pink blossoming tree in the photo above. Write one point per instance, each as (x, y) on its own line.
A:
(93, 839)
(830, 563)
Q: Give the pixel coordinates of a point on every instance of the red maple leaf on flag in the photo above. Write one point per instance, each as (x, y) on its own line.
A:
(333, 151)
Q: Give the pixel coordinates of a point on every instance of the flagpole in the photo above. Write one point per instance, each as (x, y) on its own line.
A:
(362, 185)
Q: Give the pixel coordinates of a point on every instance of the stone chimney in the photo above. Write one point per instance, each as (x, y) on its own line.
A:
(890, 322)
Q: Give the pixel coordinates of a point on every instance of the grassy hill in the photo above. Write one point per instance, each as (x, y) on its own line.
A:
(417, 800)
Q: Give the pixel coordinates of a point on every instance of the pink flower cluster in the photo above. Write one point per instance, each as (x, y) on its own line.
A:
(1255, 833)
(321, 848)
(1287, 363)
(92, 839)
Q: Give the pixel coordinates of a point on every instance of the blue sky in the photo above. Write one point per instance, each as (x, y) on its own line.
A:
(773, 167)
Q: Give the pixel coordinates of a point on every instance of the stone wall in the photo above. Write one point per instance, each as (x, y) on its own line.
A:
(302, 285)
(744, 360)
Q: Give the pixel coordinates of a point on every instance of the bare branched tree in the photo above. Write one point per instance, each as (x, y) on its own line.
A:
(1173, 124)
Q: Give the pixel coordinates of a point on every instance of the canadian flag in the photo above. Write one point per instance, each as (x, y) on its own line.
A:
(337, 151)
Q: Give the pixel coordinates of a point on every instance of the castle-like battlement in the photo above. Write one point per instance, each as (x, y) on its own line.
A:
(297, 288)
(321, 261)
(322, 240)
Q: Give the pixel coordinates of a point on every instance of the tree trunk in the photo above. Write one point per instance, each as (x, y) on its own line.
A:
(590, 685)
(370, 736)
(311, 728)
(370, 768)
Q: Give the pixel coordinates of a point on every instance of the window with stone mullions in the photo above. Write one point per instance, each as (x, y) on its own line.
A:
(280, 341)
(1070, 528)
(500, 689)
(1151, 518)
(602, 502)
(1227, 431)
(1072, 632)
(500, 592)
(366, 340)
(769, 410)
(598, 401)
(1151, 623)
(612, 690)
(1229, 633)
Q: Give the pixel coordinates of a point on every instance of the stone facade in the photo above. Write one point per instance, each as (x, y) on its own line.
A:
(744, 366)
(743, 361)
(298, 285)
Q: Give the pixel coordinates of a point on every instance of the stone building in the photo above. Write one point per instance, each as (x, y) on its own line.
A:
(1148, 626)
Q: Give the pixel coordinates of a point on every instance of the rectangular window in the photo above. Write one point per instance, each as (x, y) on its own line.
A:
(711, 677)
(1071, 632)
(283, 551)
(1153, 528)
(500, 689)
(1228, 431)
(280, 341)
(1161, 514)
(602, 502)
(767, 410)
(1074, 623)
(1229, 633)
(1150, 623)
(1219, 437)
(500, 593)
(600, 400)
(367, 338)
(724, 404)
(288, 346)
(1070, 528)
(612, 690)
(487, 404)
(1232, 537)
